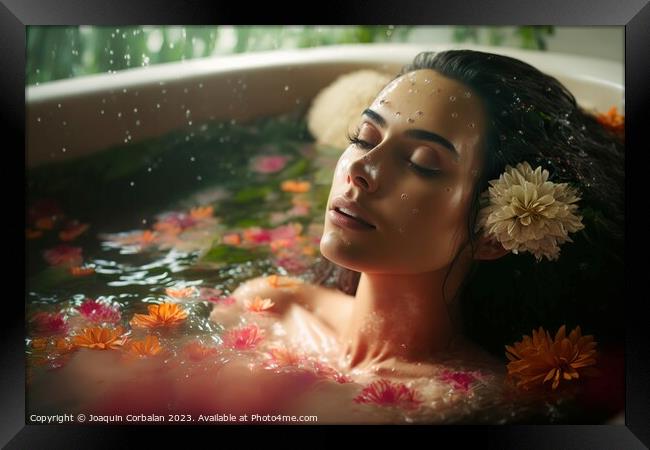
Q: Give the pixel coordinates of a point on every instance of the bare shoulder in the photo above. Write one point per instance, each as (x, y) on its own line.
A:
(285, 291)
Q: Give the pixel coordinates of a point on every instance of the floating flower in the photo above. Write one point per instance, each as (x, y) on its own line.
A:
(529, 213)
(81, 271)
(163, 315)
(73, 230)
(460, 380)
(201, 212)
(149, 346)
(243, 338)
(64, 255)
(535, 361)
(33, 234)
(612, 120)
(99, 312)
(257, 235)
(232, 239)
(277, 281)
(295, 186)
(283, 357)
(63, 345)
(281, 243)
(100, 338)
(197, 351)
(186, 292)
(258, 304)
(386, 393)
(268, 164)
(39, 343)
(49, 323)
(210, 294)
(326, 371)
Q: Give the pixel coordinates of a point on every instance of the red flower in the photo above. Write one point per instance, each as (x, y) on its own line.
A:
(64, 255)
(386, 393)
(460, 380)
(73, 230)
(243, 338)
(98, 312)
(331, 373)
(49, 323)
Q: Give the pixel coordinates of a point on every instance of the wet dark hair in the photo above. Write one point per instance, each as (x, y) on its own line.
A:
(534, 118)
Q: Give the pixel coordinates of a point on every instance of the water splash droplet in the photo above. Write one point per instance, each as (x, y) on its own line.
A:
(404, 196)
(286, 88)
(454, 115)
(410, 120)
(397, 113)
(472, 125)
(468, 94)
(452, 98)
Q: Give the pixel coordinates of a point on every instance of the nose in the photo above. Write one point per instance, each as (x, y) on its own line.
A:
(363, 174)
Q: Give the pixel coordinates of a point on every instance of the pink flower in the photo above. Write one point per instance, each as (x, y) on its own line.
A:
(98, 312)
(176, 219)
(243, 338)
(49, 323)
(63, 255)
(386, 393)
(460, 380)
(257, 235)
(269, 164)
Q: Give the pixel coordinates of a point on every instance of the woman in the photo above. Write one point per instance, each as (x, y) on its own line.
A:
(404, 234)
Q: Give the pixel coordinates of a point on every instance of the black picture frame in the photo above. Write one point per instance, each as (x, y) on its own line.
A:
(15, 15)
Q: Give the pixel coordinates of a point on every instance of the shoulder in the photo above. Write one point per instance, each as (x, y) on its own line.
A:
(286, 291)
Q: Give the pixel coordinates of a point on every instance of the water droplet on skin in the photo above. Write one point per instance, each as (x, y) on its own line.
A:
(286, 88)
(157, 105)
(468, 94)
(452, 98)
(410, 91)
(135, 110)
(383, 102)
(119, 114)
(427, 81)
(410, 120)
(454, 115)
(38, 119)
(398, 113)
(63, 149)
(101, 112)
(404, 196)
(472, 125)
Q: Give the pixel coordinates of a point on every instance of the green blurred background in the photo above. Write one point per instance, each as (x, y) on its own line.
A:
(55, 52)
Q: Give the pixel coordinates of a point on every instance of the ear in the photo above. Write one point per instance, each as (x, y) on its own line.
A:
(489, 248)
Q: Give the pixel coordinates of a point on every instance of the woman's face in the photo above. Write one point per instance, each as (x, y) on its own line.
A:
(411, 177)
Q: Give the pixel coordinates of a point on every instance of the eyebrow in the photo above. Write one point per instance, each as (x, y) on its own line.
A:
(415, 133)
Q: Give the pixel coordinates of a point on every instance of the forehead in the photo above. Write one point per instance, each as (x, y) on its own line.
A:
(424, 99)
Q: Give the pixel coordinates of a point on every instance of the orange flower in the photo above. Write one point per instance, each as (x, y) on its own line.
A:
(163, 315)
(72, 231)
(39, 343)
(45, 223)
(232, 239)
(197, 351)
(167, 227)
(277, 244)
(63, 345)
(33, 234)
(81, 271)
(280, 282)
(181, 292)
(258, 304)
(100, 338)
(150, 346)
(147, 237)
(612, 120)
(295, 186)
(201, 212)
(282, 356)
(535, 361)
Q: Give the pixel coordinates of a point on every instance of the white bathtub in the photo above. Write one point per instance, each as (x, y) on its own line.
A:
(75, 117)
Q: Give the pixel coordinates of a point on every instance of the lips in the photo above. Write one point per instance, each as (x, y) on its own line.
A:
(351, 210)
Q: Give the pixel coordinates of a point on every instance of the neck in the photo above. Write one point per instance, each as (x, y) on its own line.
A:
(400, 316)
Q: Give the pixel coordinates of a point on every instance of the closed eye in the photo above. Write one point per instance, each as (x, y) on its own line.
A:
(424, 171)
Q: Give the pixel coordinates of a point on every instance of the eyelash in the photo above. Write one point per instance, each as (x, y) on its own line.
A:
(354, 140)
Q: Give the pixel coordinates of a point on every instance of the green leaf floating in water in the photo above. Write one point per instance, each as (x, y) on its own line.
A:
(228, 254)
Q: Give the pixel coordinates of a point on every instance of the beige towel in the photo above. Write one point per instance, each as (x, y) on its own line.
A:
(337, 108)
